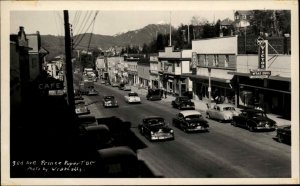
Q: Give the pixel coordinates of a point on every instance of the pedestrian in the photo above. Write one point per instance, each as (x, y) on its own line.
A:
(165, 92)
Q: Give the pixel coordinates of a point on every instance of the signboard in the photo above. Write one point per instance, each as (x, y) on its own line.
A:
(51, 85)
(259, 74)
(194, 60)
(262, 53)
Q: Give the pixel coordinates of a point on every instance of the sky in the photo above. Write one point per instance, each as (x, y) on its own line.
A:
(106, 22)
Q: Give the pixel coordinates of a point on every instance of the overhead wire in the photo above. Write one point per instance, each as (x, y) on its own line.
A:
(83, 35)
(84, 26)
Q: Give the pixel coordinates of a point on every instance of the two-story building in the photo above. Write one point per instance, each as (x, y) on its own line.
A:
(173, 64)
(131, 61)
(154, 75)
(215, 57)
(143, 68)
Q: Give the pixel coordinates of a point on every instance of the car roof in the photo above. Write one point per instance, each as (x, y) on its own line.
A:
(189, 112)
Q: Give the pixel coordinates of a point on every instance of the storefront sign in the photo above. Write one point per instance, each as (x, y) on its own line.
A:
(194, 60)
(259, 74)
(51, 86)
(262, 53)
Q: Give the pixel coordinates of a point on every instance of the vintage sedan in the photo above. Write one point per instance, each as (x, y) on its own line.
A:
(132, 97)
(283, 134)
(127, 88)
(109, 101)
(92, 92)
(155, 128)
(154, 94)
(114, 84)
(253, 120)
(222, 112)
(190, 120)
(183, 102)
(81, 108)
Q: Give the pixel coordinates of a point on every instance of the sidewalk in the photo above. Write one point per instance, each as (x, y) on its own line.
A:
(201, 106)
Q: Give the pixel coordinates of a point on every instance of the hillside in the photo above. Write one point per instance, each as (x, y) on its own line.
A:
(55, 44)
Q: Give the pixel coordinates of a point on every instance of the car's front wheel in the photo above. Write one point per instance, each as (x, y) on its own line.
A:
(207, 115)
(233, 123)
(251, 128)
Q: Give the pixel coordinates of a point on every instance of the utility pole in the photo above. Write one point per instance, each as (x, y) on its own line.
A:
(170, 44)
(68, 63)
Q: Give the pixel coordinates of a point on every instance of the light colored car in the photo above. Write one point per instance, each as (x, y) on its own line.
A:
(132, 97)
(127, 88)
(81, 108)
(109, 101)
(222, 112)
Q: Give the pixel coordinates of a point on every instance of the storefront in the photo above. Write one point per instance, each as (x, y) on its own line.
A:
(272, 94)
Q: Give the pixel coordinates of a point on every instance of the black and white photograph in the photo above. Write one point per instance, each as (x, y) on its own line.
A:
(149, 92)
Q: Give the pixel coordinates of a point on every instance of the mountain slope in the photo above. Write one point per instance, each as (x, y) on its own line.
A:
(55, 44)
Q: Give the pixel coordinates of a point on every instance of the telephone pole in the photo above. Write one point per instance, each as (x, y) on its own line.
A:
(68, 62)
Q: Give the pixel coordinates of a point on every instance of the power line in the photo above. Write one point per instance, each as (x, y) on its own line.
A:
(87, 29)
(77, 38)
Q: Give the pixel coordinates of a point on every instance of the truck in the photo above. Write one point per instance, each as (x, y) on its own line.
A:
(85, 87)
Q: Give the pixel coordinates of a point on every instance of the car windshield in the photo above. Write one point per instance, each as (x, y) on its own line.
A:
(228, 108)
(109, 98)
(155, 121)
(132, 94)
(183, 98)
(194, 116)
(258, 114)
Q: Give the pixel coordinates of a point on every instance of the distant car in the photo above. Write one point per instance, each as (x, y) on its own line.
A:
(253, 120)
(127, 88)
(114, 84)
(92, 92)
(154, 94)
(81, 108)
(132, 97)
(110, 101)
(155, 128)
(222, 112)
(190, 120)
(283, 134)
(102, 82)
(121, 86)
(183, 102)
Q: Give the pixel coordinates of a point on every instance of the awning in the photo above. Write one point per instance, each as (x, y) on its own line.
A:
(204, 78)
(277, 78)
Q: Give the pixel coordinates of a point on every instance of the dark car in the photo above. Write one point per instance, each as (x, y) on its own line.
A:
(253, 120)
(154, 94)
(110, 101)
(190, 120)
(155, 128)
(183, 102)
(284, 134)
(121, 86)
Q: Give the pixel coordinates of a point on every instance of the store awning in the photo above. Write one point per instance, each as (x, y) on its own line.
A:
(202, 78)
(277, 78)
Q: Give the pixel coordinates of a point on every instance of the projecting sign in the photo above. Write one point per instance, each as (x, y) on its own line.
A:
(259, 74)
(262, 53)
(194, 60)
(51, 86)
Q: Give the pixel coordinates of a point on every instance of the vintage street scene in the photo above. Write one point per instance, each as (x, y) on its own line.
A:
(150, 94)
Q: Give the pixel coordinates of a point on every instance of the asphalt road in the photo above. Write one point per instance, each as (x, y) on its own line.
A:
(224, 152)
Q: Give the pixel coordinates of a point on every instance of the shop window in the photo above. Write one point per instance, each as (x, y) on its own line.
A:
(226, 61)
(216, 60)
(205, 60)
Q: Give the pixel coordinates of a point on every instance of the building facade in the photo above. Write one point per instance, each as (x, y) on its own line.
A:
(143, 69)
(173, 63)
(154, 75)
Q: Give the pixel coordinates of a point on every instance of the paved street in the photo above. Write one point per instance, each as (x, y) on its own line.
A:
(224, 152)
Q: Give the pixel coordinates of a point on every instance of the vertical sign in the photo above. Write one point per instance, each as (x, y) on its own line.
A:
(194, 60)
(262, 53)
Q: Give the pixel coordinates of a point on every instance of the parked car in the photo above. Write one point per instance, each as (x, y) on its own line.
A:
(81, 108)
(110, 101)
(117, 162)
(154, 94)
(114, 84)
(132, 97)
(87, 120)
(121, 86)
(283, 134)
(253, 120)
(183, 102)
(155, 128)
(127, 88)
(190, 120)
(92, 92)
(222, 112)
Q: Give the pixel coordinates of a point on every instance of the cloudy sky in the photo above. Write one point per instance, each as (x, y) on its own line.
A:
(107, 22)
